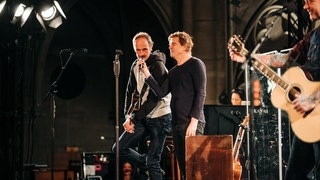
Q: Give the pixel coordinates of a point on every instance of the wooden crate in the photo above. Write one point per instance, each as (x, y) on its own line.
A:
(58, 175)
(209, 157)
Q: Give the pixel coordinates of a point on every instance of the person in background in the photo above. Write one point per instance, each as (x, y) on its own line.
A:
(127, 171)
(237, 96)
(153, 118)
(187, 83)
(304, 157)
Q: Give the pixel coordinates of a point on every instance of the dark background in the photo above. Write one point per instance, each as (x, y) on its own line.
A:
(82, 113)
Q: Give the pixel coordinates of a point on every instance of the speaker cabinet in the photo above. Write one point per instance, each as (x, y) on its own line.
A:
(98, 164)
(223, 119)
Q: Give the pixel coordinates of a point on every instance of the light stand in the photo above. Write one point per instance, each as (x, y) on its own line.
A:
(280, 137)
(249, 161)
(51, 93)
(116, 70)
(250, 141)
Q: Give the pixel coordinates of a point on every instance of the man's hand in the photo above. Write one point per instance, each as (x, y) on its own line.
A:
(143, 67)
(192, 128)
(303, 103)
(235, 56)
(128, 125)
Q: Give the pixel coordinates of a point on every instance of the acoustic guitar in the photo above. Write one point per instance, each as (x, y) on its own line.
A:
(293, 82)
(135, 104)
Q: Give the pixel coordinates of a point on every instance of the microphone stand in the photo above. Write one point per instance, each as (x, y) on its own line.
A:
(116, 70)
(51, 93)
(250, 141)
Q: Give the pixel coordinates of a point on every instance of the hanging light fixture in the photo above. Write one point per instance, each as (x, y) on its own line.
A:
(21, 14)
(51, 15)
(2, 4)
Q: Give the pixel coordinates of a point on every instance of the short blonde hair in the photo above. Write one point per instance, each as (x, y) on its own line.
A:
(184, 39)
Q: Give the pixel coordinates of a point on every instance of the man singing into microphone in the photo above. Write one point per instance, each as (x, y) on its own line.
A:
(153, 118)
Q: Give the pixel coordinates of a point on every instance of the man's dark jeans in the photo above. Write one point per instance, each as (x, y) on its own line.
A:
(157, 130)
(304, 161)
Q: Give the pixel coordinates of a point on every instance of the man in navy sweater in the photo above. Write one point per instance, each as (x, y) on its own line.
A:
(187, 83)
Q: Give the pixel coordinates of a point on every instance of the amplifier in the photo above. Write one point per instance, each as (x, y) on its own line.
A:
(98, 164)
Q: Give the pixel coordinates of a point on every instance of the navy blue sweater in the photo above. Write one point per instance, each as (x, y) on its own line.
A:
(187, 84)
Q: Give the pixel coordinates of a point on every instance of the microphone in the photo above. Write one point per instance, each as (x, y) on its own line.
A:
(288, 7)
(237, 114)
(119, 52)
(140, 65)
(76, 51)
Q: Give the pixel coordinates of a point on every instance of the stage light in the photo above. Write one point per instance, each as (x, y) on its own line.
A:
(51, 15)
(22, 13)
(2, 4)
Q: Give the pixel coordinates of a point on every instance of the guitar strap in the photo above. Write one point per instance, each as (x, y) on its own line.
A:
(143, 90)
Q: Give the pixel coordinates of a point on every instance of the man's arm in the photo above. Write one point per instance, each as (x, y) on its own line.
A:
(276, 60)
(199, 83)
(160, 90)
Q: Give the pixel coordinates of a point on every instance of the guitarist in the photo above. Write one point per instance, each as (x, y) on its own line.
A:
(304, 159)
(152, 117)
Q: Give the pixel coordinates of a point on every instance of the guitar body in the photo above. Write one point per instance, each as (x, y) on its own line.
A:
(306, 127)
(135, 103)
(237, 170)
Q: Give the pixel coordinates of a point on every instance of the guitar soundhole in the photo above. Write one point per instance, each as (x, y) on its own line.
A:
(293, 92)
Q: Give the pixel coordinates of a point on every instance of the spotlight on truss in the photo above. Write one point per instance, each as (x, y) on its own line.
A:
(51, 15)
(2, 4)
(21, 14)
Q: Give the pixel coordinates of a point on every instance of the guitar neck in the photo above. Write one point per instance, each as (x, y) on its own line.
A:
(238, 45)
(239, 139)
(270, 74)
(238, 143)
